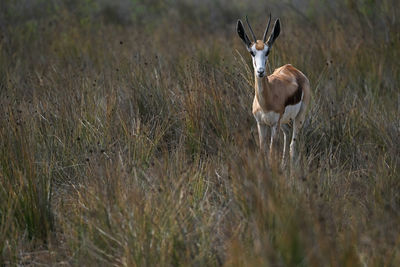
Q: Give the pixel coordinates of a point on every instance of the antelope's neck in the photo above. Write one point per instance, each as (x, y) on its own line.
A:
(262, 89)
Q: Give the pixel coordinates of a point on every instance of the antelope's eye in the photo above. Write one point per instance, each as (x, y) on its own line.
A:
(252, 53)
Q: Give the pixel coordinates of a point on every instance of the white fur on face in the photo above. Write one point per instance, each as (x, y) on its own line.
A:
(259, 60)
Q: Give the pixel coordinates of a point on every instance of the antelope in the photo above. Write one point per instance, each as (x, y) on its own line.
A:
(279, 98)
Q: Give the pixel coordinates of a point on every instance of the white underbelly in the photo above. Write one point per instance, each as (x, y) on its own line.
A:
(271, 117)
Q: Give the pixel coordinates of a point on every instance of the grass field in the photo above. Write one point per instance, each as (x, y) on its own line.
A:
(127, 139)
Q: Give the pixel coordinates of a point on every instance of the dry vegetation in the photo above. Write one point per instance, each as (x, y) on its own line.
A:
(126, 135)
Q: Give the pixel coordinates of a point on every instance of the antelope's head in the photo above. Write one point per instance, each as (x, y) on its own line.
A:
(259, 49)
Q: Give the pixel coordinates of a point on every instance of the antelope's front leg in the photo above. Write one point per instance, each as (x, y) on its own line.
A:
(271, 145)
(262, 134)
(274, 135)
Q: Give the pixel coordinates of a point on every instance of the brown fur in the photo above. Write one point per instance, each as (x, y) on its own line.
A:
(259, 45)
(282, 88)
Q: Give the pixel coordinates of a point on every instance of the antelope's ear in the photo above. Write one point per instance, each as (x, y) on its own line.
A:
(242, 34)
(275, 33)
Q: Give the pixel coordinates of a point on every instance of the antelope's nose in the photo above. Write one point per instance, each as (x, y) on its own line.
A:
(260, 71)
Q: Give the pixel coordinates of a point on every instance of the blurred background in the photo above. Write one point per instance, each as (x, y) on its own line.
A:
(126, 135)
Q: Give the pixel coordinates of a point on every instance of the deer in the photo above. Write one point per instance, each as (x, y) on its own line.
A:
(280, 98)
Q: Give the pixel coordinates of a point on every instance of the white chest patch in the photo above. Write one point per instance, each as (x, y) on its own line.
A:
(271, 118)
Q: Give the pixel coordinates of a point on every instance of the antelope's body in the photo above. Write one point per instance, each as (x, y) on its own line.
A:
(281, 97)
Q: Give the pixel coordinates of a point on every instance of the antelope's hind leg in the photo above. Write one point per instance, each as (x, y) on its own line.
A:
(297, 125)
(296, 129)
(283, 163)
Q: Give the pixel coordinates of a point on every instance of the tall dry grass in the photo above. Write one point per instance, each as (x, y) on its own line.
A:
(127, 137)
